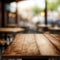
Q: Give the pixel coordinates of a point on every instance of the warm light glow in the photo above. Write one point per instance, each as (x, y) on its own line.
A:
(11, 15)
(43, 13)
(13, 7)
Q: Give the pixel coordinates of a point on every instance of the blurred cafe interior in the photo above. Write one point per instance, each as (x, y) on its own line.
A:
(27, 17)
(30, 15)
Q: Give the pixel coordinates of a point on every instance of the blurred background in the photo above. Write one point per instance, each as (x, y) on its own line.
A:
(53, 13)
(32, 15)
(29, 13)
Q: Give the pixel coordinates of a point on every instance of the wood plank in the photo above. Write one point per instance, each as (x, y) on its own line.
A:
(16, 47)
(23, 45)
(54, 41)
(58, 35)
(30, 47)
(45, 47)
(55, 36)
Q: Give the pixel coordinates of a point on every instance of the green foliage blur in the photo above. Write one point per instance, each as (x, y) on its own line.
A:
(36, 10)
(53, 5)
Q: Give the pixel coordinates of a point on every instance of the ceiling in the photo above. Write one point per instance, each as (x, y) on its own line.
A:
(7, 1)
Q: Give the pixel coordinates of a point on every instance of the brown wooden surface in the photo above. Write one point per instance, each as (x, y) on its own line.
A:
(54, 28)
(49, 27)
(11, 29)
(34, 45)
(41, 26)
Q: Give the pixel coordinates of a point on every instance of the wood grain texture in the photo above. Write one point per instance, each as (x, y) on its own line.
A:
(54, 41)
(34, 45)
(45, 47)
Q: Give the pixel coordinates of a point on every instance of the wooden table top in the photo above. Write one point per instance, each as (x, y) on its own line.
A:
(42, 26)
(34, 45)
(54, 28)
(11, 29)
(49, 27)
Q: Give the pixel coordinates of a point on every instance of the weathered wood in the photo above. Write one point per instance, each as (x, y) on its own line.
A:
(45, 47)
(34, 45)
(56, 36)
(54, 41)
(30, 47)
(24, 44)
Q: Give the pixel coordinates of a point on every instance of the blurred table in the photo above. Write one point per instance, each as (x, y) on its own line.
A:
(42, 28)
(13, 31)
(54, 28)
(39, 26)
